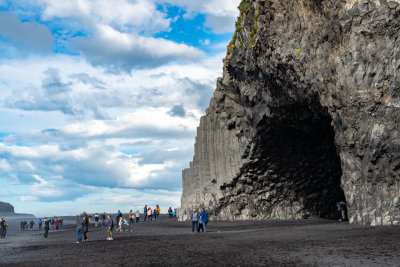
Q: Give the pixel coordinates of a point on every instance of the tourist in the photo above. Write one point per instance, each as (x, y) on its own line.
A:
(145, 213)
(158, 210)
(85, 223)
(137, 215)
(195, 220)
(96, 220)
(22, 225)
(149, 214)
(110, 228)
(61, 220)
(130, 217)
(170, 212)
(174, 213)
(120, 224)
(3, 227)
(40, 223)
(46, 227)
(154, 215)
(103, 219)
(126, 225)
(31, 223)
(79, 228)
(57, 224)
(339, 209)
(343, 207)
(119, 216)
(203, 220)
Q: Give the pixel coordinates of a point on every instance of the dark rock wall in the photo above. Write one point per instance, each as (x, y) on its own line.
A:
(306, 114)
(6, 207)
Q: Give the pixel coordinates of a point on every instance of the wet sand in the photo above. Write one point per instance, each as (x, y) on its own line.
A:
(313, 242)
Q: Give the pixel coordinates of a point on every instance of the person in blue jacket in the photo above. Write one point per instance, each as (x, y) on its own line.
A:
(203, 220)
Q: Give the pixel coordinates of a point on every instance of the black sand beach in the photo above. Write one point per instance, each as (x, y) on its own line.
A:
(313, 242)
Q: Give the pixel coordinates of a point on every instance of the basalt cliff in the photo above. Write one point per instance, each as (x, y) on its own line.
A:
(6, 208)
(307, 113)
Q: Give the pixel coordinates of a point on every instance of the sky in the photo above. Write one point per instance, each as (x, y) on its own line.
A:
(100, 100)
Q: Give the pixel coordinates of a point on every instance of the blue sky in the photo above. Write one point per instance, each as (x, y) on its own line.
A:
(100, 100)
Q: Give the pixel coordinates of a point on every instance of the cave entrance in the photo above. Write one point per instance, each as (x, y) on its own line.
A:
(298, 151)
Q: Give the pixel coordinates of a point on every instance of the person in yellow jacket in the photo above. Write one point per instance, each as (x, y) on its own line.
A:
(158, 211)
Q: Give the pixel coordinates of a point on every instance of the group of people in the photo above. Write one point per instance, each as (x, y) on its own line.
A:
(199, 220)
(54, 224)
(171, 214)
(121, 224)
(151, 215)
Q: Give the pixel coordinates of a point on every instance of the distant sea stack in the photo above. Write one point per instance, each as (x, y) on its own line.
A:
(307, 113)
(6, 208)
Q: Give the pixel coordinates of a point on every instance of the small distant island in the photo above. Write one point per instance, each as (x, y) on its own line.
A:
(6, 209)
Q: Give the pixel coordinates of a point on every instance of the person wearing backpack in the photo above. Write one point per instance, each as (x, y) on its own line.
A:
(3, 227)
(119, 216)
(110, 228)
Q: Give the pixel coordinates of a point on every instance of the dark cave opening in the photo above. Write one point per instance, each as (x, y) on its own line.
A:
(298, 153)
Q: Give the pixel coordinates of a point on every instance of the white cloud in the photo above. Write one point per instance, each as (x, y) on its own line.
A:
(124, 15)
(124, 51)
(220, 14)
(25, 35)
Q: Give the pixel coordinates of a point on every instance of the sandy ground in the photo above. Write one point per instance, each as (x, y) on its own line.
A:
(313, 242)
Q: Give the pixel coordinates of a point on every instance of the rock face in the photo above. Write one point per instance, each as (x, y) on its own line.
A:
(6, 207)
(306, 114)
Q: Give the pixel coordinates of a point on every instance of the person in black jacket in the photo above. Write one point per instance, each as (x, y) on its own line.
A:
(46, 227)
(85, 226)
(3, 227)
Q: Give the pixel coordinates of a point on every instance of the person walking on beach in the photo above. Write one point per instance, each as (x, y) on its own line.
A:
(79, 228)
(85, 223)
(149, 214)
(46, 227)
(130, 217)
(195, 220)
(3, 227)
(137, 215)
(343, 207)
(61, 220)
(174, 213)
(103, 219)
(110, 228)
(31, 224)
(203, 219)
(170, 212)
(96, 220)
(40, 223)
(339, 209)
(119, 216)
(154, 215)
(145, 213)
(57, 224)
(158, 210)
